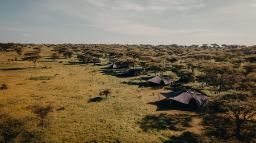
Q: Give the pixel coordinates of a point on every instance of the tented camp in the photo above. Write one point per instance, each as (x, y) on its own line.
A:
(160, 80)
(187, 98)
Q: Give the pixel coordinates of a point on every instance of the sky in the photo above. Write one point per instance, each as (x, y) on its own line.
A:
(156, 22)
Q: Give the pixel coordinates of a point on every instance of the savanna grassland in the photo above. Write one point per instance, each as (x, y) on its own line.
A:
(55, 93)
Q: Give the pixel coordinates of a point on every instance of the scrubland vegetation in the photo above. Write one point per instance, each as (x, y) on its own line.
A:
(72, 93)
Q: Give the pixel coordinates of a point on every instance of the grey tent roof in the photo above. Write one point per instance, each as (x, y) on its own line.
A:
(114, 66)
(117, 65)
(186, 96)
(166, 80)
(111, 66)
(159, 80)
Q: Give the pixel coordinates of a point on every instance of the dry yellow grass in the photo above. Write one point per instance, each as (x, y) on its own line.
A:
(73, 118)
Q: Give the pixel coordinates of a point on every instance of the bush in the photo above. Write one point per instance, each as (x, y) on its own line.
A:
(187, 77)
(105, 92)
(3, 87)
(14, 130)
(41, 78)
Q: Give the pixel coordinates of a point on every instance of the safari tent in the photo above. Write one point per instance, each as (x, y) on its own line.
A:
(157, 80)
(118, 65)
(111, 66)
(187, 98)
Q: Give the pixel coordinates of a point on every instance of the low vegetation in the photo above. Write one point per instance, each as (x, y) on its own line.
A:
(41, 78)
(3, 87)
(105, 92)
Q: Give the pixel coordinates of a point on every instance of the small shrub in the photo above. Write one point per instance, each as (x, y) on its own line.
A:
(41, 78)
(3, 87)
(105, 92)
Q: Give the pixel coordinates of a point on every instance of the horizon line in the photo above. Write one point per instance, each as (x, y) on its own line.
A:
(89, 43)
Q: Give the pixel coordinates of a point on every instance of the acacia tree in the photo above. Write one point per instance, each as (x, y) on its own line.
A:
(223, 77)
(35, 58)
(82, 58)
(187, 76)
(32, 57)
(18, 51)
(241, 110)
(54, 56)
(105, 92)
(132, 57)
(156, 67)
(191, 67)
(143, 65)
(68, 54)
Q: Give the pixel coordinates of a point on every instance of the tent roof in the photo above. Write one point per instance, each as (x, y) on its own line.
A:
(114, 66)
(186, 96)
(158, 80)
(109, 65)
(166, 80)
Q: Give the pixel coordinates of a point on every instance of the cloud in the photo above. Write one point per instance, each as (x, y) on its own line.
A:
(172, 21)
(147, 5)
(138, 29)
(26, 35)
(253, 5)
(10, 29)
(112, 17)
(98, 3)
(130, 6)
(176, 5)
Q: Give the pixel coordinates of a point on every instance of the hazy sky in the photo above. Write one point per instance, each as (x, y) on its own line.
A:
(128, 21)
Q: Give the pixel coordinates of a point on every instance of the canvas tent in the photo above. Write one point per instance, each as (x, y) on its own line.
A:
(188, 97)
(111, 66)
(160, 80)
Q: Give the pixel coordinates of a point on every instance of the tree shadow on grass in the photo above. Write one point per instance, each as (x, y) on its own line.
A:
(145, 84)
(164, 105)
(14, 69)
(42, 113)
(109, 72)
(218, 125)
(14, 130)
(137, 83)
(249, 131)
(19, 68)
(186, 137)
(75, 63)
(95, 99)
(223, 128)
(165, 122)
